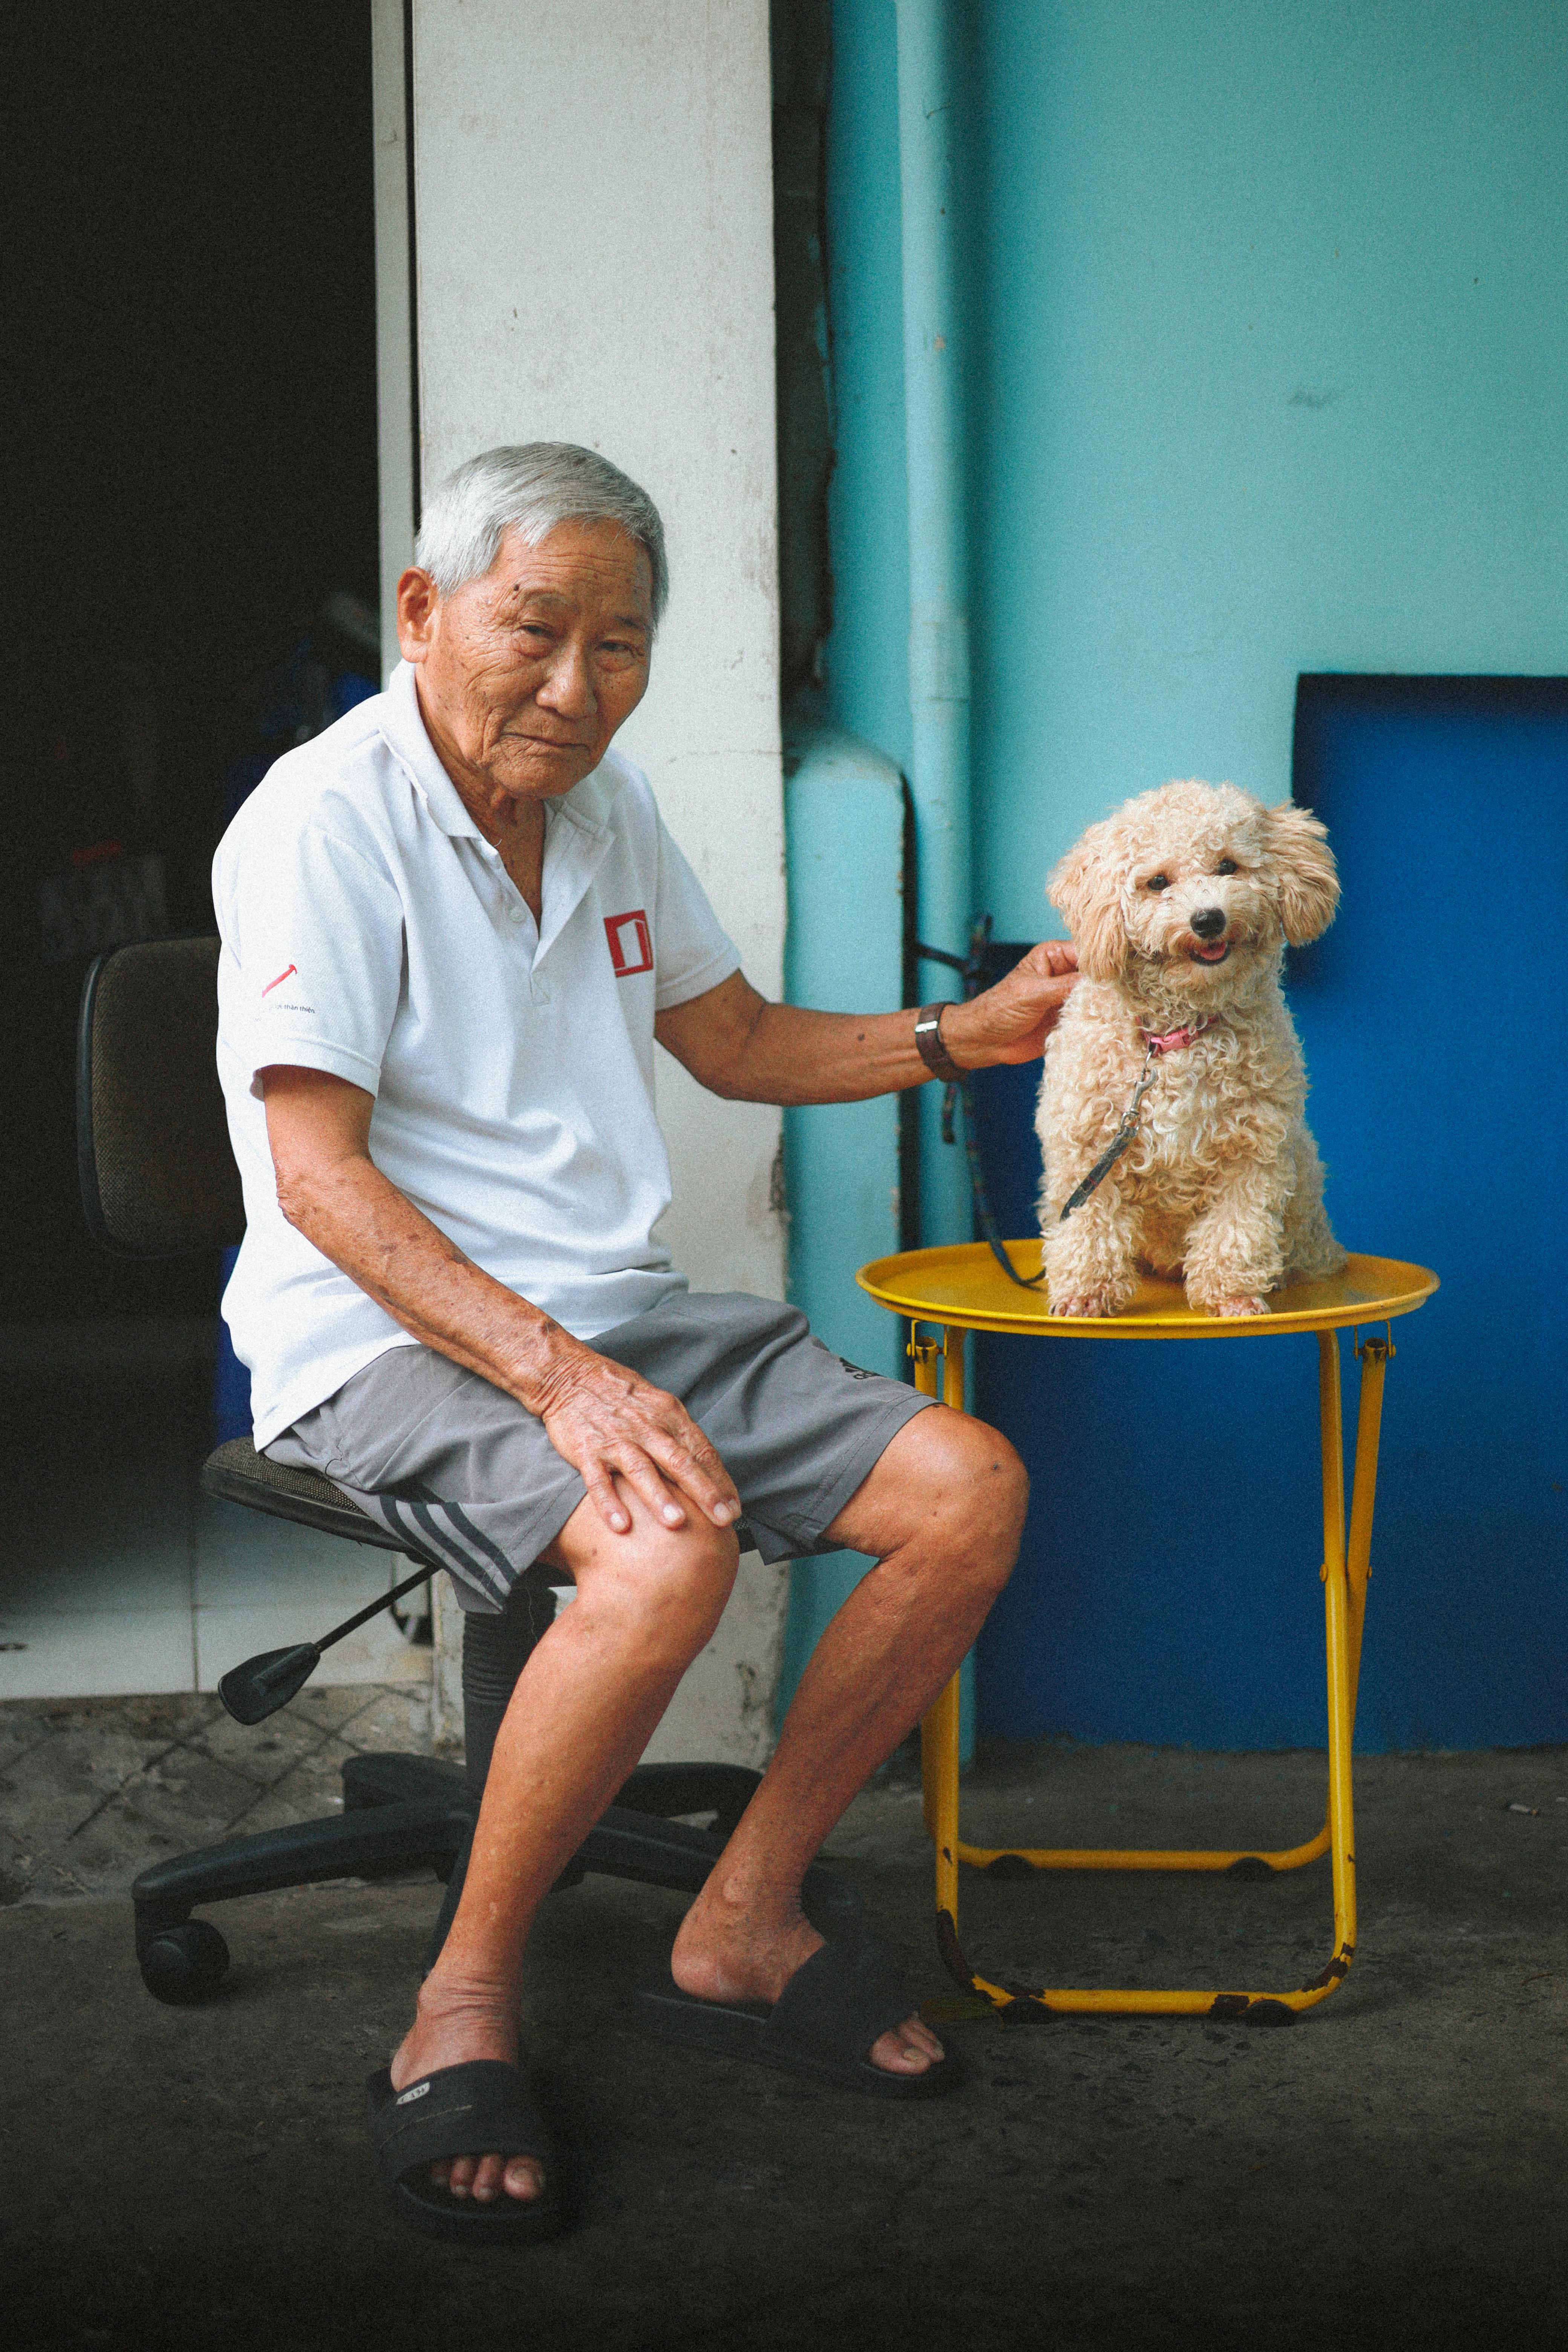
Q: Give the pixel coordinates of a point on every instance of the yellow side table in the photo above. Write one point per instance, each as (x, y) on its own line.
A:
(963, 1289)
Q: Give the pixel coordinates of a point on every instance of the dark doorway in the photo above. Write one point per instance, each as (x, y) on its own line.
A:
(190, 344)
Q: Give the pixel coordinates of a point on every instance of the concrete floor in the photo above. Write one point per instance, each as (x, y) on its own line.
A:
(1390, 2172)
(93, 1790)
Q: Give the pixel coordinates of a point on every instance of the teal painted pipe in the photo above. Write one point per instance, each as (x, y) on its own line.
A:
(938, 594)
(844, 819)
(843, 816)
(939, 581)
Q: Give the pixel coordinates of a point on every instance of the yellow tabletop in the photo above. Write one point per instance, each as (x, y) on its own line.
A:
(964, 1285)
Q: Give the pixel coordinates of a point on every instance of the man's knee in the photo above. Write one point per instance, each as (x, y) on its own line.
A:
(996, 1495)
(966, 1478)
(671, 1584)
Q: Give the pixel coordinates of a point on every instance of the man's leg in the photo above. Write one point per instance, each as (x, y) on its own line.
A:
(942, 1512)
(584, 1709)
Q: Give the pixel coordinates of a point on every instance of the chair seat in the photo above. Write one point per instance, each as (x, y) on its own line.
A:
(236, 1473)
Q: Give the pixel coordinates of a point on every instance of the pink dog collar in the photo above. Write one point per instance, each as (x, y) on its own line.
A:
(1170, 1041)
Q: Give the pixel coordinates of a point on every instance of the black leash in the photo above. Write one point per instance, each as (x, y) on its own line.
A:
(972, 970)
(1119, 1141)
(985, 1216)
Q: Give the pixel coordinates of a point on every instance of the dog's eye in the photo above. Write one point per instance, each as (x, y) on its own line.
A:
(1226, 865)
(1158, 882)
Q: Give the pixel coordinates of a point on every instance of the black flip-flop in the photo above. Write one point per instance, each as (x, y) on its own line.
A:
(482, 2108)
(822, 2025)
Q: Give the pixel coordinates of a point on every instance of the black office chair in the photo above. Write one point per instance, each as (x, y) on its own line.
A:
(158, 1180)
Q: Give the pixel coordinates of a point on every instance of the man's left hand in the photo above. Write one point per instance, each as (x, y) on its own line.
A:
(1011, 1022)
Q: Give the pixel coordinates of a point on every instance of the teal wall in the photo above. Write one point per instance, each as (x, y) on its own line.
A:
(1267, 372)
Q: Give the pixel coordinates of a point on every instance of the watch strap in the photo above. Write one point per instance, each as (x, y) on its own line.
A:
(929, 1044)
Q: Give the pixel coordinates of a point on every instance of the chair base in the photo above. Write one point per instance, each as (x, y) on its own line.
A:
(403, 1813)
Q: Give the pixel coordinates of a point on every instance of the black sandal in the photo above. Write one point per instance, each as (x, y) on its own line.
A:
(822, 2025)
(482, 2108)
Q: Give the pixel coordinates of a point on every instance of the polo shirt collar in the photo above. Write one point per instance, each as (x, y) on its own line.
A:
(403, 728)
(575, 848)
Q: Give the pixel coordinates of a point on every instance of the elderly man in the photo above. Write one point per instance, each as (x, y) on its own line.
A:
(453, 927)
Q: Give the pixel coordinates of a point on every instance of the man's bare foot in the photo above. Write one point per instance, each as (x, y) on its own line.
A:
(739, 1958)
(448, 2030)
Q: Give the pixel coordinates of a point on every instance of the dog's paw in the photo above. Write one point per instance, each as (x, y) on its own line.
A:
(1087, 1302)
(1233, 1307)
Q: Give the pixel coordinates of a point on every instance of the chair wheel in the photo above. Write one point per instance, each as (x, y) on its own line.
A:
(185, 1964)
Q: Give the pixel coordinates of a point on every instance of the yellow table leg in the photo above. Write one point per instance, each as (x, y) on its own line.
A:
(1336, 1630)
(939, 1725)
(1346, 1567)
(1373, 1355)
(953, 1341)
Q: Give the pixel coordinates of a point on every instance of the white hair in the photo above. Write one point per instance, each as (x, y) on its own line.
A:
(529, 490)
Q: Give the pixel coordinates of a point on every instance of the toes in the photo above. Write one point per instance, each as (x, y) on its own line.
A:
(890, 2053)
(485, 2178)
(1236, 1306)
(907, 2049)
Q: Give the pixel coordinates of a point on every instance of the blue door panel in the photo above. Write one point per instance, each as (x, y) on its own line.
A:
(1168, 1586)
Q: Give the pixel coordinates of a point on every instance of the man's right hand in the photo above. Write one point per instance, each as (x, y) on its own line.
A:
(613, 1426)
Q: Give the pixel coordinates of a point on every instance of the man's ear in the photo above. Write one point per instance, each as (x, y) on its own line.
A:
(1084, 889)
(1307, 882)
(417, 598)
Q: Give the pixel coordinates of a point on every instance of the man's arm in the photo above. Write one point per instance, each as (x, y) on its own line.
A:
(738, 1045)
(600, 1417)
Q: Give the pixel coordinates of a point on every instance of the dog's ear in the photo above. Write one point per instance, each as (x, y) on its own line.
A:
(1307, 882)
(1084, 888)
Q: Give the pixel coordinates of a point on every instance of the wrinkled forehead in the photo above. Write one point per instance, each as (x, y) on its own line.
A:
(585, 562)
(1193, 825)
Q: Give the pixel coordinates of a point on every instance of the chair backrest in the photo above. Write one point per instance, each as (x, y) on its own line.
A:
(158, 1178)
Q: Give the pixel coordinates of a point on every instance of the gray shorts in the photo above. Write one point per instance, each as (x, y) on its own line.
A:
(467, 1478)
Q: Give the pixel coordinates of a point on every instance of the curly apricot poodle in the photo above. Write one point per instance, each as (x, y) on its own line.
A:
(1181, 905)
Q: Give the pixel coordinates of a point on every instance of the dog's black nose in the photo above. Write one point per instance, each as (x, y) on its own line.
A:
(1208, 922)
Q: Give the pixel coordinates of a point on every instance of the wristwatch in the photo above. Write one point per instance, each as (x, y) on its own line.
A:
(932, 1051)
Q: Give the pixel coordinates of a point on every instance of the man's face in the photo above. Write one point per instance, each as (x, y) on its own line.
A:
(525, 673)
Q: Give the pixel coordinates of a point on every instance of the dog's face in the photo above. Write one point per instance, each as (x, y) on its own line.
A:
(1198, 881)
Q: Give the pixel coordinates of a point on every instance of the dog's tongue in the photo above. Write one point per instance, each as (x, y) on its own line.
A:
(1212, 955)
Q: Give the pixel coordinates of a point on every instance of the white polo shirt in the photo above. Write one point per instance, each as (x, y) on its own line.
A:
(371, 930)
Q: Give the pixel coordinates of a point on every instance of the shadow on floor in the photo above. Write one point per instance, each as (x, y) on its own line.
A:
(1389, 2172)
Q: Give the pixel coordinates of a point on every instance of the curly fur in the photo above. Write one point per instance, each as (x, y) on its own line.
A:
(1221, 1185)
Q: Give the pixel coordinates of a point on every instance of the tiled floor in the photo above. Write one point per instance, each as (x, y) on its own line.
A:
(93, 1790)
(117, 1574)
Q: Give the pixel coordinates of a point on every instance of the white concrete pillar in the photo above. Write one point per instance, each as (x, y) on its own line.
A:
(593, 202)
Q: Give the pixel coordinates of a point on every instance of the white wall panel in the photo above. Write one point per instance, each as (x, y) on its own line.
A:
(594, 256)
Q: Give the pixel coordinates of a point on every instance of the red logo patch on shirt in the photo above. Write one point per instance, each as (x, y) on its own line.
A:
(281, 979)
(631, 943)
